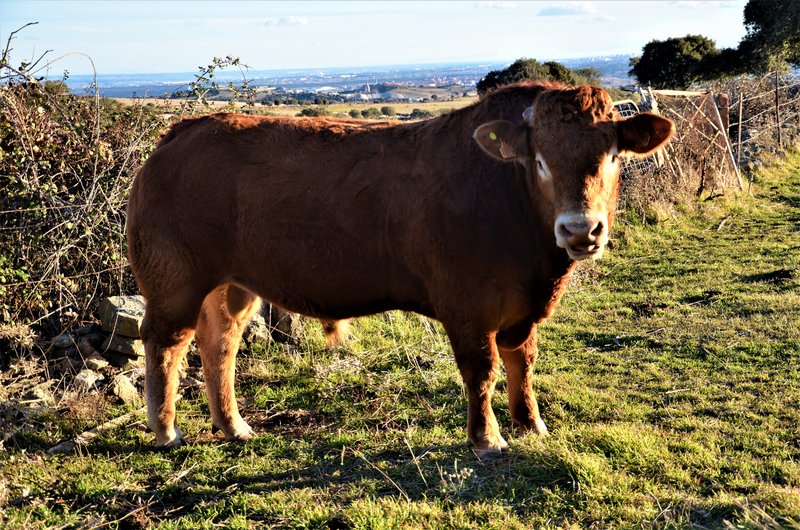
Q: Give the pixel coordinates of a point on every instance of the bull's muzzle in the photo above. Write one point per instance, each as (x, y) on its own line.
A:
(582, 235)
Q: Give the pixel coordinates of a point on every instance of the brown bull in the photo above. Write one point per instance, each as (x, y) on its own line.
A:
(474, 218)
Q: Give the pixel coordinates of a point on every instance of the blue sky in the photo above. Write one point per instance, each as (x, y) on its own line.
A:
(138, 37)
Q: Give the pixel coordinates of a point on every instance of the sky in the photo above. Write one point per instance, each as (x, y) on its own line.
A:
(168, 36)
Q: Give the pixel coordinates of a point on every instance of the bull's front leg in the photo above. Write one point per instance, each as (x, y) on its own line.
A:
(478, 361)
(519, 362)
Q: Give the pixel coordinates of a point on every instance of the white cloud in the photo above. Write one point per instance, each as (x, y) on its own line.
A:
(497, 5)
(289, 21)
(240, 21)
(692, 4)
(563, 9)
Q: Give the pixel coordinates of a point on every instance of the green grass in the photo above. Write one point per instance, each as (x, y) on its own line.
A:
(669, 379)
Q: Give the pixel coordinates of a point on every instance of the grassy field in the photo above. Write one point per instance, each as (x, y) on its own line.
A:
(669, 378)
(334, 109)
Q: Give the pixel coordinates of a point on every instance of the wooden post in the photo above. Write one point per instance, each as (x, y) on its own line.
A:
(778, 111)
(739, 143)
(724, 133)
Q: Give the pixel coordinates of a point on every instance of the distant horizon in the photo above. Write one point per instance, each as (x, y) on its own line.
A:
(233, 72)
(612, 69)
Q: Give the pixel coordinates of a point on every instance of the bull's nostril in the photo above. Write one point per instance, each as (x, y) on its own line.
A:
(598, 230)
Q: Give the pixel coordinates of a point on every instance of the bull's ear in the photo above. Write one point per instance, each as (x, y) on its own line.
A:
(503, 140)
(643, 133)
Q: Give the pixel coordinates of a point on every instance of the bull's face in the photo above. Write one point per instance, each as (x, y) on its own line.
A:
(570, 145)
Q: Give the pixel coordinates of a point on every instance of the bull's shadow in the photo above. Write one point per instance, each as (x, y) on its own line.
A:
(403, 473)
(348, 472)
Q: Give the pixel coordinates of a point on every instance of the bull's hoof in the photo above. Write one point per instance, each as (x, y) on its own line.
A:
(241, 433)
(536, 425)
(169, 440)
(540, 428)
(489, 449)
(488, 454)
(171, 444)
(241, 436)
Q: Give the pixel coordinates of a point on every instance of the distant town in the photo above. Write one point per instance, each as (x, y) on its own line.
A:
(406, 83)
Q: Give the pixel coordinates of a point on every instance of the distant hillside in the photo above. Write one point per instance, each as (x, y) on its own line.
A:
(459, 78)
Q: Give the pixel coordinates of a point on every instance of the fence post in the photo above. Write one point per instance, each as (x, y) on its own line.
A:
(778, 111)
(739, 142)
(727, 143)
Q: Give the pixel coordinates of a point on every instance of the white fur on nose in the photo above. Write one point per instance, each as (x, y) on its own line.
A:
(582, 235)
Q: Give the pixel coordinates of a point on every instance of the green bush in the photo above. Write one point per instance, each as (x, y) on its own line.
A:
(314, 112)
(371, 113)
(420, 114)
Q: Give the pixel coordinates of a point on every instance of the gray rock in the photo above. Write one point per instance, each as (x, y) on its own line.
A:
(64, 365)
(87, 330)
(86, 380)
(35, 401)
(63, 341)
(133, 363)
(122, 315)
(95, 362)
(124, 345)
(117, 360)
(136, 375)
(284, 326)
(124, 389)
(257, 330)
(40, 393)
(86, 348)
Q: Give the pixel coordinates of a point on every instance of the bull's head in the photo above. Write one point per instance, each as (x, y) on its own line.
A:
(570, 145)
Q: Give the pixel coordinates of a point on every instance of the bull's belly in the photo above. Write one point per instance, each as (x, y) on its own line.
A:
(332, 289)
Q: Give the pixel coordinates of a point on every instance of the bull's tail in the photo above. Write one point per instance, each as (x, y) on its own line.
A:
(337, 332)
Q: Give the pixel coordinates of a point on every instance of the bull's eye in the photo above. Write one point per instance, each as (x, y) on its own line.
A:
(543, 169)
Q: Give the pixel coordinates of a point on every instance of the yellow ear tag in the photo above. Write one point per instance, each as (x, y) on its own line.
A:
(493, 136)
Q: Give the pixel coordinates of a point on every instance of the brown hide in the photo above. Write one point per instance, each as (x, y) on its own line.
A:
(339, 218)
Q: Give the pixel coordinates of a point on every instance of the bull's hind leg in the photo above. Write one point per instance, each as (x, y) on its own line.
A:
(167, 330)
(226, 311)
(519, 362)
(478, 362)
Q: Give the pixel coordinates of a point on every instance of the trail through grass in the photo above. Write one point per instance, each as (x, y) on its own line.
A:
(669, 379)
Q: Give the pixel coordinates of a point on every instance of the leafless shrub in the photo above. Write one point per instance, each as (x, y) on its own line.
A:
(66, 163)
(770, 118)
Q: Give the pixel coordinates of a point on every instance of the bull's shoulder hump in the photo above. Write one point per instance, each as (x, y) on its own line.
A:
(214, 122)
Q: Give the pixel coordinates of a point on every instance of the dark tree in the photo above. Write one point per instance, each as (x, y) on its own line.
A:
(558, 72)
(725, 63)
(772, 42)
(773, 34)
(520, 70)
(673, 63)
(523, 69)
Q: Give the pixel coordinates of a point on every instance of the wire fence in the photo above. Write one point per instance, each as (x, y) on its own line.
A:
(720, 137)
